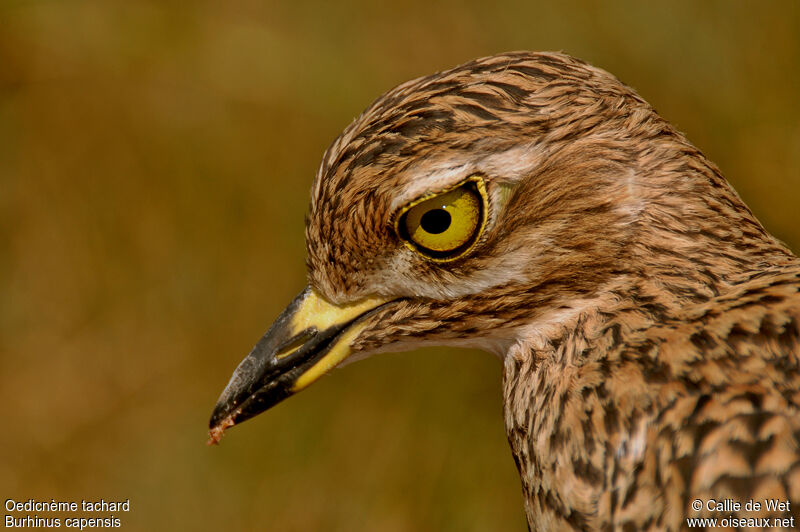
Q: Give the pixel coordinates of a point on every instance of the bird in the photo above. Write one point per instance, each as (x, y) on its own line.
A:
(533, 206)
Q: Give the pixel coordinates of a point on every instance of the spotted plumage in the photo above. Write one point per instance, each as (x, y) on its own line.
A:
(647, 323)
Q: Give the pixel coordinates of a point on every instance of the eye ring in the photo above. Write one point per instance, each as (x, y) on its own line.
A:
(446, 225)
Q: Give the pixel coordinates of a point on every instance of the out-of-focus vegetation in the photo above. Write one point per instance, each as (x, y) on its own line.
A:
(155, 161)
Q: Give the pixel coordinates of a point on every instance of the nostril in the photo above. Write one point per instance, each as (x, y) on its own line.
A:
(294, 344)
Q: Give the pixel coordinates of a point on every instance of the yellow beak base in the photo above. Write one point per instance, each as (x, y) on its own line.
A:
(309, 338)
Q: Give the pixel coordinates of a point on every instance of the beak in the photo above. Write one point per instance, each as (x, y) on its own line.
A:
(310, 337)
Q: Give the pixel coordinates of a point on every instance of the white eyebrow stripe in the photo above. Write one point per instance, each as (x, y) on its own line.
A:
(515, 163)
(429, 178)
(433, 175)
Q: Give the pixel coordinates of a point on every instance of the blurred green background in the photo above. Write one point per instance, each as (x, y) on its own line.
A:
(155, 161)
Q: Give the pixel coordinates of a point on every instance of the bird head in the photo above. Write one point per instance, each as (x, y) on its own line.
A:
(462, 208)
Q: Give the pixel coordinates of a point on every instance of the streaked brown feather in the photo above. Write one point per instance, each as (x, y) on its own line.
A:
(651, 334)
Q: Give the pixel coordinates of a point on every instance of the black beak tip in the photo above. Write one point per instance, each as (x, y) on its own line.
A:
(221, 420)
(220, 412)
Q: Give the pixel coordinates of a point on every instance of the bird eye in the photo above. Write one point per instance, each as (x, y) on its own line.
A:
(445, 226)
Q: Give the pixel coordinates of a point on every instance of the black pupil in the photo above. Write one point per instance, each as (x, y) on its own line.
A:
(435, 221)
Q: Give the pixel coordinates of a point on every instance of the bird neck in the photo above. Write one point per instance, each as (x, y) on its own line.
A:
(582, 391)
(693, 238)
(582, 383)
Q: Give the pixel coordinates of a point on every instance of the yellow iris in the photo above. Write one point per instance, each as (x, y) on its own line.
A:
(446, 223)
